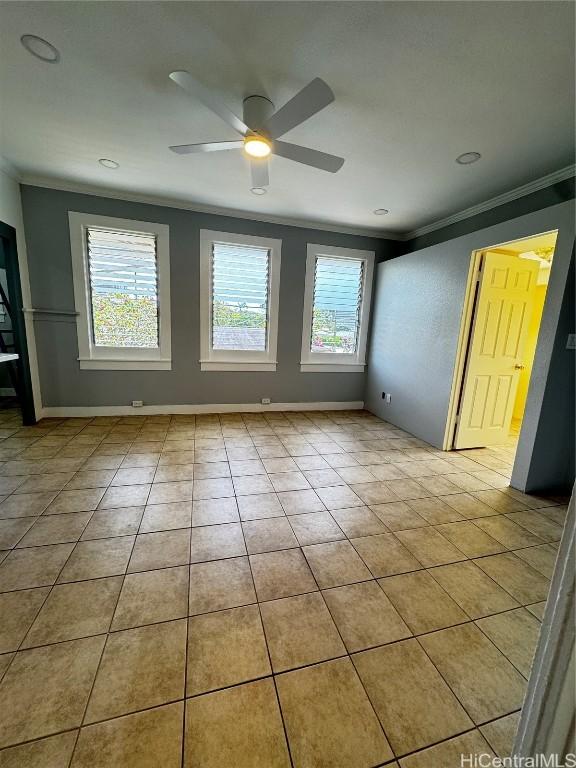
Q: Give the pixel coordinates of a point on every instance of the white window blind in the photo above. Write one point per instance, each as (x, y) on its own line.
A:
(123, 276)
(240, 289)
(336, 305)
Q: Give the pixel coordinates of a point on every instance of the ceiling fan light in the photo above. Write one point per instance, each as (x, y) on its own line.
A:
(256, 146)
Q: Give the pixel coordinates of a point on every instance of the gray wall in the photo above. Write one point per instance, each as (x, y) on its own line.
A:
(415, 322)
(64, 384)
(415, 325)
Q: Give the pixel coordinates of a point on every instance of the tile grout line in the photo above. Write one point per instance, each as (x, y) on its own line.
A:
(51, 587)
(500, 586)
(102, 652)
(388, 531)
(279, 704)
(465, 558)
(188, 590)
(355, 671)
(468, 619)
(520, 608)
(458, 699)
(237, 685)
(373, 576)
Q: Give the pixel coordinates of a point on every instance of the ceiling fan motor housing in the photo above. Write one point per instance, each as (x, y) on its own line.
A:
(257, 110)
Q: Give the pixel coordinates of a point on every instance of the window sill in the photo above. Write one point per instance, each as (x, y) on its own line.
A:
(125, 365)
(332, 367)
(218, 365)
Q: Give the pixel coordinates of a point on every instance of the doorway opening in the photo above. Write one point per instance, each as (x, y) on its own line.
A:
(503, 311)
(16, 397)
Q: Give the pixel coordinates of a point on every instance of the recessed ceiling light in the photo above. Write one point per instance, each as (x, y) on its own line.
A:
(108, 163)
(467, 158)
(40, 48)
(381, 211)
(258, 190)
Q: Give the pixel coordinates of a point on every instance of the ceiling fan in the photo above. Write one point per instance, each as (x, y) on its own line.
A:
(261, 127)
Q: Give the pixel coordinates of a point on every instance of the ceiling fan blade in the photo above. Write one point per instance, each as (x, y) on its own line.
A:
(209, 99)
(311, 99)
(259, 171)
(211, 146)
(306, 156)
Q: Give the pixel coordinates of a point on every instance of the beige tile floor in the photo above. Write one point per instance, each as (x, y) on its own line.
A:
(305, 589)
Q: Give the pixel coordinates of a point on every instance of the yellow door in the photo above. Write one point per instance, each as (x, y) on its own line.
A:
(501, 320)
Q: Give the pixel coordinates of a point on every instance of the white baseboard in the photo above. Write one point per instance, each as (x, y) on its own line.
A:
(154, 410)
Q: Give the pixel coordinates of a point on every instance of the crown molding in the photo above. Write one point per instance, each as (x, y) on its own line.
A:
(507, 197)
(135, 197)
(467, 213)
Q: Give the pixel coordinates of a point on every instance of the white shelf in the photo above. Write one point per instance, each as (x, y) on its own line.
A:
(5, 357)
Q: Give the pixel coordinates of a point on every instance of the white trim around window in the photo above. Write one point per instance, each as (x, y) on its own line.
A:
(336, 362)
(228, 359)
(92, 356)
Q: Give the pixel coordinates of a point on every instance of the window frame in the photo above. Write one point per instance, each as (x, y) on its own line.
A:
(238, 360)
(90, 356)
(335, 362)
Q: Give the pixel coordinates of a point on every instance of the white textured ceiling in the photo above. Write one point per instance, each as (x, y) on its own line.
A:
(416, 85)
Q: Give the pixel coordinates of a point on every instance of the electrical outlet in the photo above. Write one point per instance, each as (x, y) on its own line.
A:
(137, 403)
(266, 401)
(388, 397)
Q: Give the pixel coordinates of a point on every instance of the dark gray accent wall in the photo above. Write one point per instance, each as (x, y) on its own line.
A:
(416, 318)
(5, 380)
(64, 384)
(549, 451)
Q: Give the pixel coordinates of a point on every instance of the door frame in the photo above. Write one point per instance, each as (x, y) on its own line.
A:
(464, 336)
(8, 236)
(547, 717)
(462, 348)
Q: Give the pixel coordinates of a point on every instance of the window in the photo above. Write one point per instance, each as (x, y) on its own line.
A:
(122, 293)
(239, 297)
(123, 283)
(239, 302)
(336, 309)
